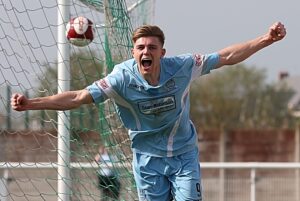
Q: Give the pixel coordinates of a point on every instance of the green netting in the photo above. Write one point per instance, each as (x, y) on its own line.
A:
(28, 54)
(94, 4)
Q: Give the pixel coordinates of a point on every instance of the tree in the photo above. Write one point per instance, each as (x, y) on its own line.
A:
(239, 97)
(85, 69)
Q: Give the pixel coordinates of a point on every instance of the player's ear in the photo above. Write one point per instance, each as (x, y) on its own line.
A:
(163, 52)
(132, 51)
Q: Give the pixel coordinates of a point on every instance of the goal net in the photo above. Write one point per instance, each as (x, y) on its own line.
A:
(29, 65)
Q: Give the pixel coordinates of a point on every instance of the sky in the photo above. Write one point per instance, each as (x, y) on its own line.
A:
(196, 26)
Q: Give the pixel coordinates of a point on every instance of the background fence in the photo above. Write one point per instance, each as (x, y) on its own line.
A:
(221, 182)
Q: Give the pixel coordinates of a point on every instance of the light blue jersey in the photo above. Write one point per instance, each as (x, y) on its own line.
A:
(157, 116)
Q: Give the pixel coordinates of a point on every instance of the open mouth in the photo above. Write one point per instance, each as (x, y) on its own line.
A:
(146, 62)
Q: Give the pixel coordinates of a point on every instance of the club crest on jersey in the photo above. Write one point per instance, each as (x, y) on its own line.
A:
(157, 106)
(198, 59)
(170, 84)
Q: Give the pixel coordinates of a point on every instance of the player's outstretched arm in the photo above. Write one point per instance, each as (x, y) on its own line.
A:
(63, 101)
(239, 52)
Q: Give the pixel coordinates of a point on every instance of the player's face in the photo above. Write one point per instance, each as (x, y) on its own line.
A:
(147, 52)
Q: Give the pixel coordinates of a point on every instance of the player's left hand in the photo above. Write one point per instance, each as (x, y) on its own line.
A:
(277, 32)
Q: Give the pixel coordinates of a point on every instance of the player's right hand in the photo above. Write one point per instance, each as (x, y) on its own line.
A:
(18, 102)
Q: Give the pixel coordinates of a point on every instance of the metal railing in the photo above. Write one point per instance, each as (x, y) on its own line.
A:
(228, 181)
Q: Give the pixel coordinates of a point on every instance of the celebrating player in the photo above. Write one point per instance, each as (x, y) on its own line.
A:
(152, 95)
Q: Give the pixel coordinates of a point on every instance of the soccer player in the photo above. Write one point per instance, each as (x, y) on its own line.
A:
(152, 95)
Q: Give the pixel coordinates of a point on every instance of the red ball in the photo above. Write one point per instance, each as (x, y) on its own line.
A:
(80, 31)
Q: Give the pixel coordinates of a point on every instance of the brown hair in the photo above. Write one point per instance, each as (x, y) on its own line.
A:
(149, 30)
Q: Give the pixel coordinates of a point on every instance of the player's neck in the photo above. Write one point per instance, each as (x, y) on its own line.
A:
(153, 83)
(152, 79)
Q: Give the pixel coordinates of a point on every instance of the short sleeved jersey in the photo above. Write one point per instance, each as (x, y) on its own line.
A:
(157, 117)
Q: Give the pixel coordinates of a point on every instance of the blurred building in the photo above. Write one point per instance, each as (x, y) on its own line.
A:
(292, 82)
